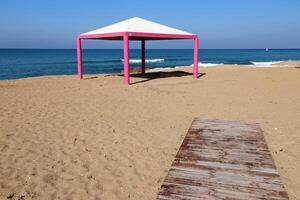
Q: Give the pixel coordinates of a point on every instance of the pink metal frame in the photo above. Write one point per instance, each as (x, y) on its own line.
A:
(126, 59)
(79, 58)
(126, 36)
(195, 68)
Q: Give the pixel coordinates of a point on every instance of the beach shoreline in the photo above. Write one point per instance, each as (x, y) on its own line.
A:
(137, 70)
(97, 138)
(21, 63)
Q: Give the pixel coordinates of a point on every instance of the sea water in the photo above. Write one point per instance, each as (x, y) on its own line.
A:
(21, 63)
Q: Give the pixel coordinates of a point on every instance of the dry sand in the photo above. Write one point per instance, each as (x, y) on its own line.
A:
(61, 138)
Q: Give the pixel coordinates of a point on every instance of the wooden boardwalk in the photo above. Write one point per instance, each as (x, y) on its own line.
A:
(223, 160)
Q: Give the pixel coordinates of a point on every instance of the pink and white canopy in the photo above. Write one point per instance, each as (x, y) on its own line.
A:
(136, 29)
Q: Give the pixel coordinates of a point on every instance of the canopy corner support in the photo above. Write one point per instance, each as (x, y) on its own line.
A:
(126, 59)
(79, 58)
(196, 47)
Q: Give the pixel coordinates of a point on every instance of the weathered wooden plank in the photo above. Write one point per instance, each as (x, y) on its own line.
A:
(223, 160)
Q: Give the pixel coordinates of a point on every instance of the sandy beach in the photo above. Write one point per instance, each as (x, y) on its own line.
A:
(62, 138)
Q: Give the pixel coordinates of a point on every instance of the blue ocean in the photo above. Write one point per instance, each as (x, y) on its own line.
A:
(21, 63)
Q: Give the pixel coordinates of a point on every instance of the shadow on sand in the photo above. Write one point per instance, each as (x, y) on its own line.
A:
(152, 75)
(92, 77)
(158, 75)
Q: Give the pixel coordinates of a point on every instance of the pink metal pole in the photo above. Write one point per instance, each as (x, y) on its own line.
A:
(79, 58)
(196, 47)
(126, 58)
(143, 56)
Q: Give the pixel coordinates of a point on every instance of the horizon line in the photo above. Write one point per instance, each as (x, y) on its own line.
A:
(298, 48)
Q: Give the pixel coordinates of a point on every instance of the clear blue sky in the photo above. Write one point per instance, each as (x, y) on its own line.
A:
(218, 23)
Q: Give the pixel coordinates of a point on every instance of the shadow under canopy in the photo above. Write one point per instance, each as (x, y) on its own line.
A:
(158, 75)
(140, 30)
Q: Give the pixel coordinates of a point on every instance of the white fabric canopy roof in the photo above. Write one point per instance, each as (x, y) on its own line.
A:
(139, 25)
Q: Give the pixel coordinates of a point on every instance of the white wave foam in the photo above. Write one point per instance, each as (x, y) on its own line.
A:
(147, 60)
(161, 69)
(265, 64)
(208, 64)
